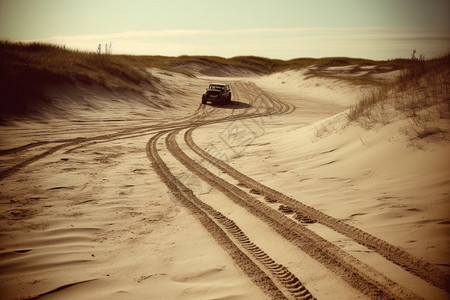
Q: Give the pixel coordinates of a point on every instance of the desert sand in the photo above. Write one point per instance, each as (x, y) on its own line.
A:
(273, 196)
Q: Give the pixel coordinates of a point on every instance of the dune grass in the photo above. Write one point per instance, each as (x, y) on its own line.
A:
(27, 70)
(262, 65)
(420, 96)
(420, 85)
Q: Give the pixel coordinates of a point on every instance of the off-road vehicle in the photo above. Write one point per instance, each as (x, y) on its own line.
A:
(217, 92)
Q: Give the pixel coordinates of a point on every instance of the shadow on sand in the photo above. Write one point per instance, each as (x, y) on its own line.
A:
(231, 105)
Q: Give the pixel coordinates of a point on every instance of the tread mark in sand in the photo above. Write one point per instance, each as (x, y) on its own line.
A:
(206, 215)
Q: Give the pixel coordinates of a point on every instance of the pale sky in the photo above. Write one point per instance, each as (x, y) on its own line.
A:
(285, 29)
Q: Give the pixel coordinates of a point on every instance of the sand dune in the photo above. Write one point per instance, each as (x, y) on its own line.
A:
(110, 195)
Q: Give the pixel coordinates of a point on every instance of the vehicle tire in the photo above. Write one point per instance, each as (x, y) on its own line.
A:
(203, 99)
(229, 98)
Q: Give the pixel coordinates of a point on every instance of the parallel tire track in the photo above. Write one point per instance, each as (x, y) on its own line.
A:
(81, 142)
(218, 225)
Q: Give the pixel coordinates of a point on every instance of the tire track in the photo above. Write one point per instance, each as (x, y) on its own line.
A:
(199, 117)
(81, 142)
(225, 231)
(284, 279)
(287, 279)
(267, 100)
(22, 148)
(199, 112)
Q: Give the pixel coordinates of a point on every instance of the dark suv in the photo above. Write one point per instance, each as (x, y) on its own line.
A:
(217, 92)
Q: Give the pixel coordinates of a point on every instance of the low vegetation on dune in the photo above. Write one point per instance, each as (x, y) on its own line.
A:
(27, 70)
(420, 96)
(219, 66)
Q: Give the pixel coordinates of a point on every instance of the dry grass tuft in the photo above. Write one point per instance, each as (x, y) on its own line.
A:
(366, 104)
(420, 95)
(27, 70)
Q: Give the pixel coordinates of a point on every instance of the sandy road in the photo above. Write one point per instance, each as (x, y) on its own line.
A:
(286, 219)
(275, 279)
